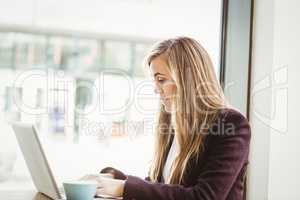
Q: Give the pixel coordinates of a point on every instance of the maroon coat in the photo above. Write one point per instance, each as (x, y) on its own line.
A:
(219, 173)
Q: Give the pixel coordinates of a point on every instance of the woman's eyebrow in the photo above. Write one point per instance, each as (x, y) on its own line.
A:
(157, 73)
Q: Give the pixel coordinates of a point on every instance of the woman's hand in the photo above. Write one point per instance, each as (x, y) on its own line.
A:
(110, 186)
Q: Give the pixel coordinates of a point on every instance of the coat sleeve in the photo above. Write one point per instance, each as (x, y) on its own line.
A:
(227, 154)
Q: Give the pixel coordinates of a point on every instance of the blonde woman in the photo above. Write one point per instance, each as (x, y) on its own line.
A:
(202, 145)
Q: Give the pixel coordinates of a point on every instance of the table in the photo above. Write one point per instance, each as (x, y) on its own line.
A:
(22, 195)
(26, 195)
(22, 188)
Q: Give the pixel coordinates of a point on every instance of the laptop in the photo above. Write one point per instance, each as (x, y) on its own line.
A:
(36, 160)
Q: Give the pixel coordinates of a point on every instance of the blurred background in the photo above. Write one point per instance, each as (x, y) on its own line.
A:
(70, 64)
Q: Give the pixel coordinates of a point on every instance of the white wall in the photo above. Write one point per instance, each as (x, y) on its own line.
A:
(285, 148)
(275, 151)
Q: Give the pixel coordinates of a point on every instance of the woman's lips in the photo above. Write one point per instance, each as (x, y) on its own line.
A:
(163, 100)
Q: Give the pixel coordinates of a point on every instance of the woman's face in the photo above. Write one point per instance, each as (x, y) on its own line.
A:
(164, 84)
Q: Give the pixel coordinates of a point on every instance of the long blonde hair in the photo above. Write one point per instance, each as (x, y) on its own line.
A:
(198, 99)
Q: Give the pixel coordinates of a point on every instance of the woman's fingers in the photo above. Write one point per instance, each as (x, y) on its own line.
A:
(106, 175)
(101, 191)
(109, 186)
(99, 184)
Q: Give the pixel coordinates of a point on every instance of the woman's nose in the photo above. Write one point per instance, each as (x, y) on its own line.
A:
(157, 90)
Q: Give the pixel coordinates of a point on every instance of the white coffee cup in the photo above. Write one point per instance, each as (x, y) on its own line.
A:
(80, 190)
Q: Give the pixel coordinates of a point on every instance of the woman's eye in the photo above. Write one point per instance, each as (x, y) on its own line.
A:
(161, 80)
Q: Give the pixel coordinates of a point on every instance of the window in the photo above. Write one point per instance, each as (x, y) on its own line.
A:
(88, 90)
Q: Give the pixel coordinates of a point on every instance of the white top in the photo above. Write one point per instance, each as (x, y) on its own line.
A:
(170, 159)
